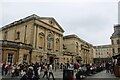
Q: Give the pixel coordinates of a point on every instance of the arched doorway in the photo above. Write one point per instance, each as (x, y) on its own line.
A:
(51, 60)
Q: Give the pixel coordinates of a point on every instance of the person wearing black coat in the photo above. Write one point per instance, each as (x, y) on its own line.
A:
(79, 74)
(3, 69)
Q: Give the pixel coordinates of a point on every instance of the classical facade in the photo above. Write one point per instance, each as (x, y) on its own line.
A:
(103, 53)
(78, 50)
(33, 39)
(115, 40)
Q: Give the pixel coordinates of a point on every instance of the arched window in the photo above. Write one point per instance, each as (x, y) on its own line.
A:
(41, 40)
(50, 41)
(57, 44)
(18, 35)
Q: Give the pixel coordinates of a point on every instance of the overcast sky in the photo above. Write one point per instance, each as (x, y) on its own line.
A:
(91, 20)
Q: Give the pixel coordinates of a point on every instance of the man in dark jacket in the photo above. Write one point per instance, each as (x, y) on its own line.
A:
(3, 69)
(79, 74)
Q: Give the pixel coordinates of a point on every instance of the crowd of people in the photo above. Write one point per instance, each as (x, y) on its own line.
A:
(28, 71)
(109, 67)
(33, 71)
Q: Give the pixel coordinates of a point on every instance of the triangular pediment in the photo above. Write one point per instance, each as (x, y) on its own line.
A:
(51, 21)
(48, 20)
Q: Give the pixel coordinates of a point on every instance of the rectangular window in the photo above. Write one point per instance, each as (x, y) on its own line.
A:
(10, 58)
(118, 50)
(112, 41)
(96, 53)
(99, 53)
(24, 58)
(113, 50)
(118, 42)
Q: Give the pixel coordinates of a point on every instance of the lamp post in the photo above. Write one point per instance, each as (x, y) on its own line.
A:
(72, 59)
(30, 52)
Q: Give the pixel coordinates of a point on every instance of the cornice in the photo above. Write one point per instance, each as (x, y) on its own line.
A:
(31, 17)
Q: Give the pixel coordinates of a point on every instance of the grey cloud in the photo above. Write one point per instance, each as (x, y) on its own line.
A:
(84, 19)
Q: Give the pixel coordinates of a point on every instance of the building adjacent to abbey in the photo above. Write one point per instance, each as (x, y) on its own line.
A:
(81, 50)
(33, 39)
(36, 39)
(115, 40)
(106, 52)
(103, 53)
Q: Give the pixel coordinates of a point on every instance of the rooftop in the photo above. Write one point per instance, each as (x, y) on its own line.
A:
(75, 36)
(31, 17)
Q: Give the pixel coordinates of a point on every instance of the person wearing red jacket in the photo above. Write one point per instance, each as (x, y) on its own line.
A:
(9, 70)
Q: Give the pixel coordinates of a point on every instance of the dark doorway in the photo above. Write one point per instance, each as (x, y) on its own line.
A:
(51, 59)
(78, 60)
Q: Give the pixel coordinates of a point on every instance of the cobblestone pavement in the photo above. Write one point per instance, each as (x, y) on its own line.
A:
(99, 76)
(57, 74)
(102, 76)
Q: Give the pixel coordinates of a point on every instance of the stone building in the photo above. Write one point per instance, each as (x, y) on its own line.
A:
(115, 40)
(33, 39)
(103, 53)
(77, 50)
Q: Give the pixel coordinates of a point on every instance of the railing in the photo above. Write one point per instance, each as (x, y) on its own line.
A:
(5, 43)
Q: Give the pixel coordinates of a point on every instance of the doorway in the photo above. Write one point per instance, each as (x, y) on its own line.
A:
(51, 60)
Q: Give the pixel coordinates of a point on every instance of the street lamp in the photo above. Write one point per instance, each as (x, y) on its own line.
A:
(30, 52)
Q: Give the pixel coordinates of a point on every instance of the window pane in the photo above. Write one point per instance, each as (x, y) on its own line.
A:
(113, 50)
(118, 50)
(24, 58)
(10, 57)
(49, 41)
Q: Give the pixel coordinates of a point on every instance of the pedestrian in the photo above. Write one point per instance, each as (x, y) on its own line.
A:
(107, 66)
(9, 70)
(51, 71)
(6, 69)
(39, 71)
(36, 66)
(30, 73)
(61, 66)
(3, 69)
(45, 71)
(13, 70)
(79, 74)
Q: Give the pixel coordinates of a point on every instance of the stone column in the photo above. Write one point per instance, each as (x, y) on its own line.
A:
(54, 42)
(32, 35)
(61, 43)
